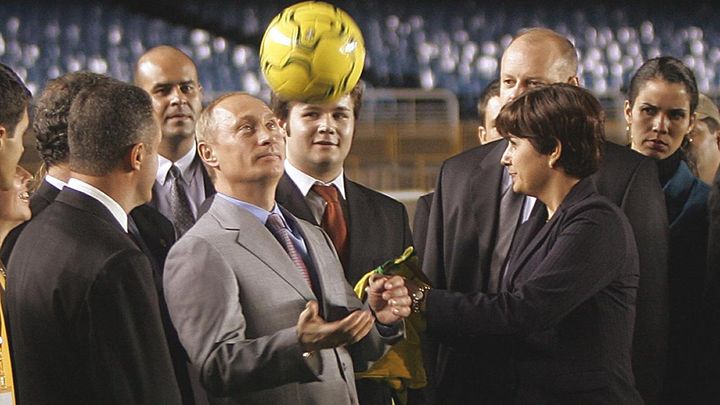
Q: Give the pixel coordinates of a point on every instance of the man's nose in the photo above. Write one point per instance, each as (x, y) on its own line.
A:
(267, 136)
(177, 96)
(326, 124)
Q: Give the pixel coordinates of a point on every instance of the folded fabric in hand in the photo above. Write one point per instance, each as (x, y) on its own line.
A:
(402, 366)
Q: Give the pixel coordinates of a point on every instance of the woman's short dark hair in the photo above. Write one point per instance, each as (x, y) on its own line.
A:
(558, 113)
(666, 68)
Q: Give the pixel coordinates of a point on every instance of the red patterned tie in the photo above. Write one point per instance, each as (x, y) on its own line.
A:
(333, 220)
(277, 227)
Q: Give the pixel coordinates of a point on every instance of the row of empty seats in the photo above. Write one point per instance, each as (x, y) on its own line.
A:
(448, 45)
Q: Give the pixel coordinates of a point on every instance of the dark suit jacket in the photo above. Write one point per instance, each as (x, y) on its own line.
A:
(157, 235)
(708, 366)
(568, 306)
(41, 198)
(378, 226)
(714, 229)
(461, 238)
(83, 307)
(686, 197)
(420, 222)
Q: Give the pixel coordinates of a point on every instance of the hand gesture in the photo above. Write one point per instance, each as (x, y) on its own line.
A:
(316, 334)
(389, 299)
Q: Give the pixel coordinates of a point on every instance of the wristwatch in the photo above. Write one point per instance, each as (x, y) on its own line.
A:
(417, 297)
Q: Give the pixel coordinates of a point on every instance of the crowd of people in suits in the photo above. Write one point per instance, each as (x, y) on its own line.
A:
(181, 254)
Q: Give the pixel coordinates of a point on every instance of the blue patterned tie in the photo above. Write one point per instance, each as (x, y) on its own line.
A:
(277, 227)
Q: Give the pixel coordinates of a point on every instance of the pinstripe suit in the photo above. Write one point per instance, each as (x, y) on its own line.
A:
(568, 308)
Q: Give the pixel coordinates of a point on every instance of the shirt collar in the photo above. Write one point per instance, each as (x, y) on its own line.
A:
(185, 164)
(55, 182)
(304, 182)
(112, 205)
(260, 213)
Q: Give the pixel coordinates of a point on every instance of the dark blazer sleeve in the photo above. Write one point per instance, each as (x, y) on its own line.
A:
(584, 258)
(420, 222)
(128, 334)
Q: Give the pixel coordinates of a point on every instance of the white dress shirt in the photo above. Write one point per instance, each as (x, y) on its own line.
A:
(115, 209)
(55, 182)
(304, 182)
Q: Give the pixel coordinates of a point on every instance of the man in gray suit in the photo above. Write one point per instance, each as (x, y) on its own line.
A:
(257, 295)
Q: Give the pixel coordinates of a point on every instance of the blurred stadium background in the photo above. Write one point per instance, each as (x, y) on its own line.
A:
(426, 64)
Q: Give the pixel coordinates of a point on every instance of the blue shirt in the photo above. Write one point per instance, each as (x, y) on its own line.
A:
(262, 215)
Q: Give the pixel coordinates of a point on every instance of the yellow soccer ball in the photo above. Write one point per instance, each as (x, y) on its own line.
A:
(312, 52)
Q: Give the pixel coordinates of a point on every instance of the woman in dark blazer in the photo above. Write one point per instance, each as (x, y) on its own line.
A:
(567, 303)
(660, 112)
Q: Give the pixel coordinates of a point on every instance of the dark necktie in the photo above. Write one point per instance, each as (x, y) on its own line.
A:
(182, 216)
(333, 220)
(510, 209)
(277, 227)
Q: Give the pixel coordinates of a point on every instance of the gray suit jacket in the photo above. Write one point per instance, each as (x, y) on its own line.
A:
(235, 296)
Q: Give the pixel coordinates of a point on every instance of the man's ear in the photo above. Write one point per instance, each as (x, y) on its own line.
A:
(4, 134)
(207, 154)
(482, 134)
(137, 156)
(284, 125)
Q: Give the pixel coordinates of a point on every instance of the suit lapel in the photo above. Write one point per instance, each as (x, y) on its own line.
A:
(579, 192)
(532, 239)
(327, 268)
(258, 241)
(289, 196)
